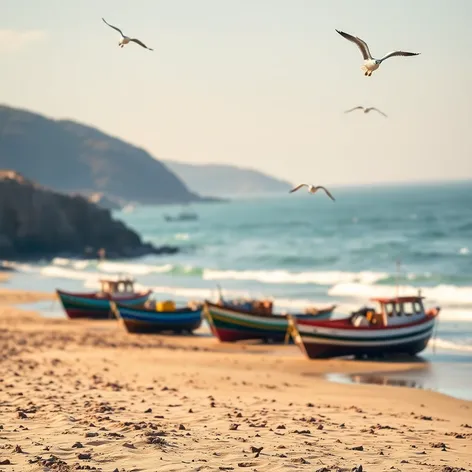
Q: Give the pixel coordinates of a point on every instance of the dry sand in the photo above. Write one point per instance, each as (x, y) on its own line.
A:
(78, 395)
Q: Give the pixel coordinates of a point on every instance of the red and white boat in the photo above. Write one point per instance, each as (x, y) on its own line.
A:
(400, 326)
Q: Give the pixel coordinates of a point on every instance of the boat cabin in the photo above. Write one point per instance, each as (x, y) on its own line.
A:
(117, 286)
(393, 311)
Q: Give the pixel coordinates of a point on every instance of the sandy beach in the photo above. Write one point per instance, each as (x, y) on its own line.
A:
(88, 396)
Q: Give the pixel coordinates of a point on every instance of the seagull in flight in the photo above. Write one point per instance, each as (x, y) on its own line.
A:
(312, 189)
(371, 64)
(366, 110)
(124, 39)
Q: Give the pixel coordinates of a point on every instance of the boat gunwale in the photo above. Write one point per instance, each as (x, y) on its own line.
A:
(271, 316)
(346, 325)
(105, 296)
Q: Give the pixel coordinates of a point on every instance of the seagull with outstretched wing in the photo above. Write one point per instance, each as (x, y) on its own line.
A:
(370, 63)
(313, 189)
(366, 110)
(125, 39)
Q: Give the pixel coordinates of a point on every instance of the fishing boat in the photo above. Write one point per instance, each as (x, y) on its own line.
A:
(96, 305)
(163, 316)
(401, 325)
(230, 322)
(184, 216)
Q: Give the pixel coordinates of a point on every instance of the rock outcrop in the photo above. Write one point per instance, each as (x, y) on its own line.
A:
(36, 222)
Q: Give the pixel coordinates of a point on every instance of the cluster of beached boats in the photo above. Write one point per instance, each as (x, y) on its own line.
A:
(400, 325)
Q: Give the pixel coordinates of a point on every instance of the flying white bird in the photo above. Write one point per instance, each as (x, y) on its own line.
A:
(125, 39)
(366, 110)
(312, 189)
(371, 64)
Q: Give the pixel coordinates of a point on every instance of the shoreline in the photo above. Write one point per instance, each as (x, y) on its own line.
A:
(114, 334)
(389, 371)
(346, 370)
(87, 394)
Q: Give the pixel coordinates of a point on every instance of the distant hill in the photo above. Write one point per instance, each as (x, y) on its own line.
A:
(226, 180)
(71, 157)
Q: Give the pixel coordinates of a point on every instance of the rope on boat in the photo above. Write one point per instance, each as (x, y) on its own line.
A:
(435, 332)
(290, 330)
(114, 311)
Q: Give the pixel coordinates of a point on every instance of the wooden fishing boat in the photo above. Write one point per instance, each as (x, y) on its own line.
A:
(230, 323)
(96, 305)
(400, 326)
(157, 319)
(184, 216)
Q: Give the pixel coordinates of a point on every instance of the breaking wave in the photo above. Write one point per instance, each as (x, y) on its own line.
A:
(286, 277)
(447, 294)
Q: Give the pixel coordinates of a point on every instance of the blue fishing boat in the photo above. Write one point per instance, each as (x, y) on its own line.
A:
(149, 320)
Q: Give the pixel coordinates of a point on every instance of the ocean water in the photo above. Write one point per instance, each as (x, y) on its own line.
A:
(303, 250)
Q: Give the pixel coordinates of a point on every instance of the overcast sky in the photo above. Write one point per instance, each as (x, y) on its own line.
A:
(258, 83)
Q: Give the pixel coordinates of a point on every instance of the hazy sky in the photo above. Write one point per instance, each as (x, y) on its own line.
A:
(258, 83)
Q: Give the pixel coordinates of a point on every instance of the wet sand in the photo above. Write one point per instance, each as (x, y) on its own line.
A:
(81, 395)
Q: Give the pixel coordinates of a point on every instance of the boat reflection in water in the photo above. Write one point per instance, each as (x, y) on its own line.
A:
(379, 379)
(448, 378)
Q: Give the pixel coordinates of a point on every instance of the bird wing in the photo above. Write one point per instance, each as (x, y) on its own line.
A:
(399, 53)
(137, 41)
(298, 187)
(114, 27)
(360, 43)
(327, 192)
(355, 108)
(377, 110)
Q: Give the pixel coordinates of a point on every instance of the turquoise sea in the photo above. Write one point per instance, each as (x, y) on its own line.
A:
(304, 249)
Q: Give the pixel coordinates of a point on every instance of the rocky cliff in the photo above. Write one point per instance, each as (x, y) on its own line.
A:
(37, 222)
(71, 157)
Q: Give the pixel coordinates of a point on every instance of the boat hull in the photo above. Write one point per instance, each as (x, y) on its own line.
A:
(229, 324)
(95, 306)
(325, 340)
(151, 321)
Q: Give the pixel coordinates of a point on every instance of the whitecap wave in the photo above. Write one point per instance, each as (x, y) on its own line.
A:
(64, 273)
(182, 236)
(449, 295)
(286, 277)
(61, 261)
(20, 267)
(184, 292)
(133, 269)
(463, 346)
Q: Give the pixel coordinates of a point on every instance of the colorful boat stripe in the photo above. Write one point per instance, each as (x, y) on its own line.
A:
(253, 321)
(345, 340)
(90, 306)
(161, 317)
(365, 334)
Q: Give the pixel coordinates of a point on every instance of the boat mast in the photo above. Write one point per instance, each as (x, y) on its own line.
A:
(397, 287)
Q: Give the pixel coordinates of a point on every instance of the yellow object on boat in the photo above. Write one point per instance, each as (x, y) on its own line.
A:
(166, 305)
